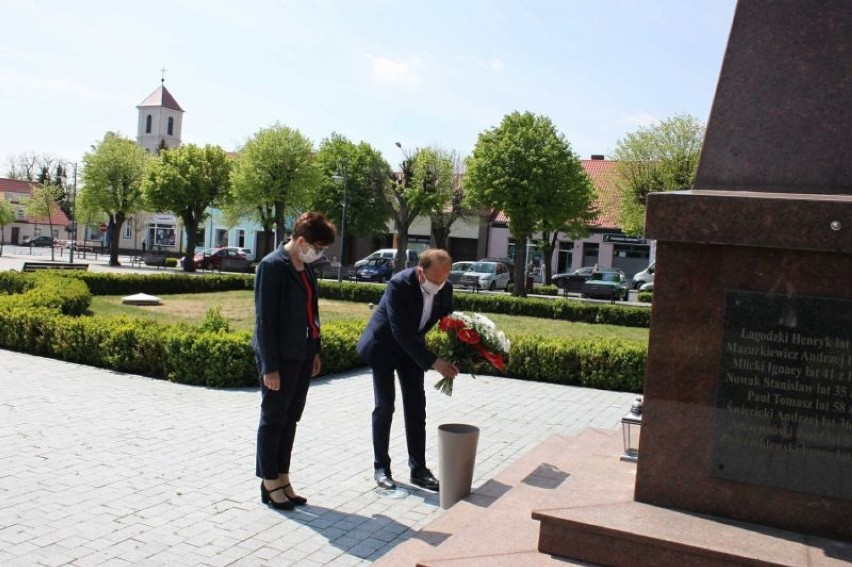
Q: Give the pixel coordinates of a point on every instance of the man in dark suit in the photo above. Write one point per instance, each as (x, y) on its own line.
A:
(395, 340)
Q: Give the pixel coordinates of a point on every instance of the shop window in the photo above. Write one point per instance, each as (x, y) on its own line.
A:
(590, 253)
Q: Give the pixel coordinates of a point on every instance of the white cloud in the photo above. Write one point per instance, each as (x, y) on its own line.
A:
(396, 73)
(637, 118)
(496, 64)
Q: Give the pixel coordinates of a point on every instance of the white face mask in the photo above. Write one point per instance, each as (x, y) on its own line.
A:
(431, 288)
(312, 255)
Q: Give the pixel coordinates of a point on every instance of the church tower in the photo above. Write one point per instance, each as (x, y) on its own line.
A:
(159, 120)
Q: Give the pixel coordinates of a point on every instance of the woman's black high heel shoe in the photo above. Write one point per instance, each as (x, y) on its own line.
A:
(297, 500)
(267, 499)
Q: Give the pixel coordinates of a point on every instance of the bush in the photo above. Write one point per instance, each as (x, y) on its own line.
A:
(645, 296)
(170, 262)
(42, 314)
(102, 283)
(606, 364)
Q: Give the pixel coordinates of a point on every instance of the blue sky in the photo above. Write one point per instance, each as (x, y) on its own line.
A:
(421, 73)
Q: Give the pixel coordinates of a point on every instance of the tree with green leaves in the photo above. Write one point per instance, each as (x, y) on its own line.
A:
(113, 173)
(526, 168)
(660, 157)
(7, 216)
(274, 172)
(367, 173)
(442, 169)
(42, 205)
(185, 181)
(421, 188)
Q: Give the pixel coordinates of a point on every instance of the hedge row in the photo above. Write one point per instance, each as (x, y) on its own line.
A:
(41, 314)
(103, 283)
(162, 284)
(562, 309)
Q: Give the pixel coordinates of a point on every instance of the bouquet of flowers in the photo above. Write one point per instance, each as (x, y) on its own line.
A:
(473, 341)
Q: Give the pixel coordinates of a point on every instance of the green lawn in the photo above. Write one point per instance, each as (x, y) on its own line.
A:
(238, 308)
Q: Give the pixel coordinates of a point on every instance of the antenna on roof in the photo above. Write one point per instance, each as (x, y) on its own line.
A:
(163, 76)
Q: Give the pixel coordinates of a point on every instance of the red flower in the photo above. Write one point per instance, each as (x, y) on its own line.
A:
(468, 336)
(449, 323)
(496, 360)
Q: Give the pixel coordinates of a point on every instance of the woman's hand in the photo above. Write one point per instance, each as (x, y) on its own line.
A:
(317, 365)
(272, 381)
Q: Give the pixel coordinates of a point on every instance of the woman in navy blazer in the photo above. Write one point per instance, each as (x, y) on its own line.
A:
(395, 340)
(286, 344)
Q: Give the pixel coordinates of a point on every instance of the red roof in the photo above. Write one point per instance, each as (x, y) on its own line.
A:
(15, 186)
(58, 218)
(161, 97)
(604, 176)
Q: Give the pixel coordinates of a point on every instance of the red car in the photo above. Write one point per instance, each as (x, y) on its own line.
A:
(226, 259)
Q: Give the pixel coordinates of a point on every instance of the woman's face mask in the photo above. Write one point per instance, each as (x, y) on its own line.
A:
(312, 254)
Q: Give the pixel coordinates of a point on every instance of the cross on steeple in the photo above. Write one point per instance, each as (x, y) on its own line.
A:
(163, 76)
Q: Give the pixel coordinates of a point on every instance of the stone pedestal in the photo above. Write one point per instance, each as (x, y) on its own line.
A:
(748, 400)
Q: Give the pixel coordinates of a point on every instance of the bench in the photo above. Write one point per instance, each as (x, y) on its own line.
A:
(36, 266)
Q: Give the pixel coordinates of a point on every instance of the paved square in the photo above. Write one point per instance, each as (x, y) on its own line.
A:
(103, 468)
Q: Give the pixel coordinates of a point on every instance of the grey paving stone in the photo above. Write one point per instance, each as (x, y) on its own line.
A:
(132, 470)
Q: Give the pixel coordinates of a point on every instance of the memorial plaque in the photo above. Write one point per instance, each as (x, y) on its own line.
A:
(784, 398)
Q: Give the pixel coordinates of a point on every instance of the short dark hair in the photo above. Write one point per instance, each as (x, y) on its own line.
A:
(434, 256)
(315, 229)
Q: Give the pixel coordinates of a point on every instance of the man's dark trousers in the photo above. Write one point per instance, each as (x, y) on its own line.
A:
(414, 407)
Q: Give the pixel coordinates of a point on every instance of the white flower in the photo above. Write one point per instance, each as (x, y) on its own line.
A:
(483, 320)
(504, 341)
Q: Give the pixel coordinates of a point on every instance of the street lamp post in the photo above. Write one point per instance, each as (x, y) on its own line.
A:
(338, 179)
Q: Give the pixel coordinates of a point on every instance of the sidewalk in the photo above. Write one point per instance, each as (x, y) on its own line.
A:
(103, 468)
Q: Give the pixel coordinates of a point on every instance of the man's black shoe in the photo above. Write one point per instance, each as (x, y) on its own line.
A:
(424, 479)
(384, 479)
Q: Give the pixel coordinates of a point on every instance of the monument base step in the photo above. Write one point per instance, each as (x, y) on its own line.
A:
(594, 523)
(494, 525)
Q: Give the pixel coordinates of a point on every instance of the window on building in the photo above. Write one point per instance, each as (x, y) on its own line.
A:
(171, 127)
(590, 253)
(241, 238)
(148, 124)
(200, 236)
(220, 236)
(566, 257)
(128, 233)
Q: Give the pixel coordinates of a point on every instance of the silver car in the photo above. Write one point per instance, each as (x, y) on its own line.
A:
(486, 275)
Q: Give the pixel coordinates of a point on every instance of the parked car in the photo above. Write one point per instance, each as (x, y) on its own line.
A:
(224, 259)
(607, 284)
(375, 270)
(389, 254)
(572, 282)
(486, 275)
(644, 277)
(458, 269)
(510, 265)
(42, 240)
(247, 253)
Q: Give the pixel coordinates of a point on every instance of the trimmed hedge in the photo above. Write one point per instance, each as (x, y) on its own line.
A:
(103, 283)
(562, 309)
(42, 314)
(605, 364)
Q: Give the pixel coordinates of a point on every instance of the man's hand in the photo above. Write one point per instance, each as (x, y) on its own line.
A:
(317, 366)
(272, 381)
(446, 369)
